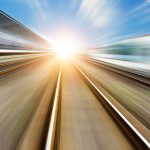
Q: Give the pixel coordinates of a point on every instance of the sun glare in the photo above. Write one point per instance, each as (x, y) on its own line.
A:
(65, 46)
(64, 49)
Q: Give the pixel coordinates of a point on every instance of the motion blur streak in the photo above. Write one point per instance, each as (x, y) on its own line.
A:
(74, 74)
(130, 94)
(82, 117)
(20, 95)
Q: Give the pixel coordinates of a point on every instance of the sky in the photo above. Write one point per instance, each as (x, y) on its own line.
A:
(91, 23)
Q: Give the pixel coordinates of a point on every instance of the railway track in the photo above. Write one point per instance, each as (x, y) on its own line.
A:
(79, 115)
(84, 118)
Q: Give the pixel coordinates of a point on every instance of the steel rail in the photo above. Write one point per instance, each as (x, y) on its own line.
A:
(137, 138)
(53, 120)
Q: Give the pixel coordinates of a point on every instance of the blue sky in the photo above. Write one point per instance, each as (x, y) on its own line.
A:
(94, 22)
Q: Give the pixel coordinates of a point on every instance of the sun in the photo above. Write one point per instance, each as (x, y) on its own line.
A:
(65, 48)
(67, 42)
(65, 45)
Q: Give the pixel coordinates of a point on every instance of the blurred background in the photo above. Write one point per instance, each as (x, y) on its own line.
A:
(101, 26)
(109, 40)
